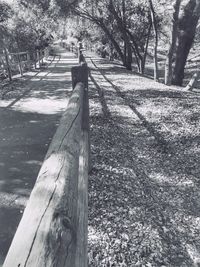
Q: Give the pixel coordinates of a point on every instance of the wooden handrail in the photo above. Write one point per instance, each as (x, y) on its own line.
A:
(19, 53)
(53, 229)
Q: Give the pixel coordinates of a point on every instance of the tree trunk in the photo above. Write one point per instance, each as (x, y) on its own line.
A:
(121, 22)
(38, 56)
(129, 57)
(111, 38)
(154, 23)
(125, 52)
(111, 56)
(124, 25)
(128, 52)
(169, 57)
(137, 59)
(187, 27)
(145, 50)
(135, 48)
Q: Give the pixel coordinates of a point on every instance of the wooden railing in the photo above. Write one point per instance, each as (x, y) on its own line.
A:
(14, 63)
(53, 229)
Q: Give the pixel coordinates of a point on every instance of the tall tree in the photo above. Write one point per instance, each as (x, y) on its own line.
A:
(5, 14)
(187, 27)
(121, 22)
(131, 23)
(172, 46)
(155, 29)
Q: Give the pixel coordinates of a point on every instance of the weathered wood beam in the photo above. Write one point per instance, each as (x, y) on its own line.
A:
(81, 259)
(55, 218)
(80, 74)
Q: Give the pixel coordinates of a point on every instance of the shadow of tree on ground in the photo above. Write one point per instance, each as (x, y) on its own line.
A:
(29, 117)
(143, 204)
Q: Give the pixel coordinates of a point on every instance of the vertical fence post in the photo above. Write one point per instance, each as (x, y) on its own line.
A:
(46, 52)
(38, 57)
(29, 60)
(35, 59)
(7, 64)
(80, 53)
(19, 64)
(42, 57)
(80, 74)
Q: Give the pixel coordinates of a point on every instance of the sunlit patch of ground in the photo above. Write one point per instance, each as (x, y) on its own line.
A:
(144, 187)
(30, 113)
(42, 106)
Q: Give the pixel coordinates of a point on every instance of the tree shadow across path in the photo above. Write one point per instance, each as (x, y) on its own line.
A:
(27, 128)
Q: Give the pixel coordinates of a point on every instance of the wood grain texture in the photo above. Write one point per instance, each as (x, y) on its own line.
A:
(47, 234)
(82, 210)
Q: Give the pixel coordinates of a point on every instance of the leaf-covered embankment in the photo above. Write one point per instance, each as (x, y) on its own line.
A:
(144, 187)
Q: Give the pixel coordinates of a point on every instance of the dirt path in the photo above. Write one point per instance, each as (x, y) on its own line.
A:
(144, 189)
(29, 117)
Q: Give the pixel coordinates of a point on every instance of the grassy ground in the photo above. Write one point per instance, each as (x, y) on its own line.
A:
(144, 187)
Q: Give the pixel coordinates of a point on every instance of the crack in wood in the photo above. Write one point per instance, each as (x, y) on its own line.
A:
(69, 128)
(50, 199)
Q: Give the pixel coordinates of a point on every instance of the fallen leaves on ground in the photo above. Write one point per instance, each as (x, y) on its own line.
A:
(144, 186)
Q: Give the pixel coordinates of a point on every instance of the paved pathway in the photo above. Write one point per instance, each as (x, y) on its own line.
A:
(28, 123)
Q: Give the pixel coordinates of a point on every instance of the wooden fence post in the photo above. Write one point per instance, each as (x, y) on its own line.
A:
(46, 52)
(19, 64)
(80, 74)
(42, 52)
(8, 65)
(38, 57)
(80, 53)
(35, 59)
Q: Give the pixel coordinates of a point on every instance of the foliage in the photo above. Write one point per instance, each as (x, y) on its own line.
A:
(29, 26)
(123, 22)
(5, 14)
(33, 25)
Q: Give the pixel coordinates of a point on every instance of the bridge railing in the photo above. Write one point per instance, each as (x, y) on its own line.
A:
(53, 228)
